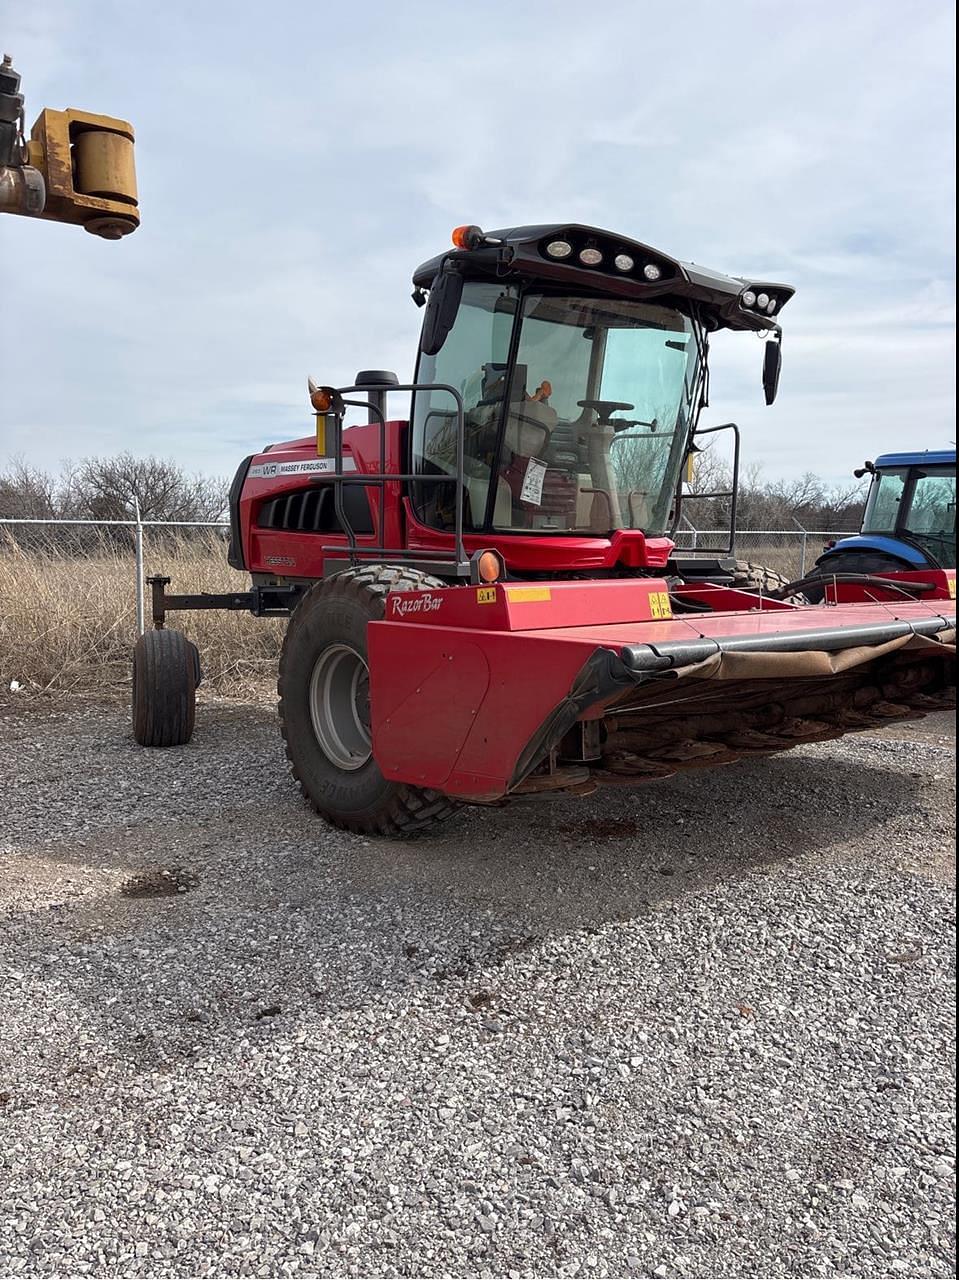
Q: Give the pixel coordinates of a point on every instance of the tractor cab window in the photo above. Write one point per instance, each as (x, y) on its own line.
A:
(599, 416)
(644, 457)
(585, 432)
(930, 518)
(882, 505)
(473, 359)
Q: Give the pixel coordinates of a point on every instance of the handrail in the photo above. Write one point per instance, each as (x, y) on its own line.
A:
(383, 477)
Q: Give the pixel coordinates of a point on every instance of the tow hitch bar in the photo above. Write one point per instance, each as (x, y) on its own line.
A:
(262, 602)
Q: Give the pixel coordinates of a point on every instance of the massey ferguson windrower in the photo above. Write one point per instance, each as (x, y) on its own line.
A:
(485, 601)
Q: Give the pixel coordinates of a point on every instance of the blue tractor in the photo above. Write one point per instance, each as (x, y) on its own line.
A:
(909, 522)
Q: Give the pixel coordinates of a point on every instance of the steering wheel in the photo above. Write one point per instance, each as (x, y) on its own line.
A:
(604, 408)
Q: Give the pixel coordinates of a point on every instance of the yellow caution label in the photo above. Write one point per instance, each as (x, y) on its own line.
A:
(321, 435)
(951, 578)
(485, 595)
(659, 605)
(522, 595)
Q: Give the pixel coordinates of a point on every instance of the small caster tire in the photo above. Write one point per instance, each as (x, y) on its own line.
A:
(166, 672)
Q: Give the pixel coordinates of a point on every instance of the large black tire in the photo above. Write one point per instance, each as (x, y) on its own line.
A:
(166, 672)
(324, 662)
(761, 579)
(864, 561)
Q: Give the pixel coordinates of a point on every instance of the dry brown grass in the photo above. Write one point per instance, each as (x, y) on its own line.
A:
(783, 554)
(68, 609)
(68, 614)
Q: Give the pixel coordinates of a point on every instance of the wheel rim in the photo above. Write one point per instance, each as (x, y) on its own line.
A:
(340, 706)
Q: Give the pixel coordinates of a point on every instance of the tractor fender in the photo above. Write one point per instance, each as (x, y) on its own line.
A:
(910, 557)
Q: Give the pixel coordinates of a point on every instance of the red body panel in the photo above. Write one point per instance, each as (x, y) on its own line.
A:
(943, 587)
(534, 607)
(453, 709)
(462, 678)
(287, 467)
(719, 597)
(298, 555)
(531, 552)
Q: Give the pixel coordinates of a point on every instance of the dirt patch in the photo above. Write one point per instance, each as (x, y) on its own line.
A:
(158, 882)
(601, 829)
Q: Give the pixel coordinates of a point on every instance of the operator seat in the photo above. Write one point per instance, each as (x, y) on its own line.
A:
(542, 481)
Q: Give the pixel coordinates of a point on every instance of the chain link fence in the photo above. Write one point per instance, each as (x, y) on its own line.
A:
(73, 599)
(142, 543)
(114, 540)
(73, 594)
(789, 551)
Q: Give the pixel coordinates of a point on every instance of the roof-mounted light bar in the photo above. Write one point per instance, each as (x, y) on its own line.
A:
(596, 255)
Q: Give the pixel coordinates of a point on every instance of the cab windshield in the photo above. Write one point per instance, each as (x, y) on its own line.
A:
(589, 433)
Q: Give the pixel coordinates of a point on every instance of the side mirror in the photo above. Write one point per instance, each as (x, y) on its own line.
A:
(772, 367)
(444, 301)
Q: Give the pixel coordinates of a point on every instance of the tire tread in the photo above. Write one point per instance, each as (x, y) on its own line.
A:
(760, 578)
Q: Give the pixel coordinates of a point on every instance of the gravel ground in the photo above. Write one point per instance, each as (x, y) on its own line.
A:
(700, 1029)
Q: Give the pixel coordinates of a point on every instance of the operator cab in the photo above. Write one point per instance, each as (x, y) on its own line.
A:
(912, 498)
(580, 358)
(576, 409)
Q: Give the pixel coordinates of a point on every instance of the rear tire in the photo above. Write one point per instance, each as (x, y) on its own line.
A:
(760, 579)
(166, 672)
(324, 707)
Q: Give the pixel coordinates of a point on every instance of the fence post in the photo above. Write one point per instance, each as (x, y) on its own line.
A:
(693, 530)
(805, 536)
(138, 548)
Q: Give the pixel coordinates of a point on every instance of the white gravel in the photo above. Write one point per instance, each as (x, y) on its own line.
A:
(700, 1029)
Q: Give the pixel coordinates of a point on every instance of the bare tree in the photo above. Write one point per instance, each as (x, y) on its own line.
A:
(109, 488)
(27, 493)
(765, 504)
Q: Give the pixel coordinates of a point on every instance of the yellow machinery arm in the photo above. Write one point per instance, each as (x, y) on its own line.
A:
(75, 166)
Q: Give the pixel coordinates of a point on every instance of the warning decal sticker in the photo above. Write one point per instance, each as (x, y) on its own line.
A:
(522, 595)
(659, 605)
(532, 490)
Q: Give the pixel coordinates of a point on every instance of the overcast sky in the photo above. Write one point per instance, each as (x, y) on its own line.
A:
(297, 160)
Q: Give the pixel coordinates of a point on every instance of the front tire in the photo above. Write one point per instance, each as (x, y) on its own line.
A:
(324, 707)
